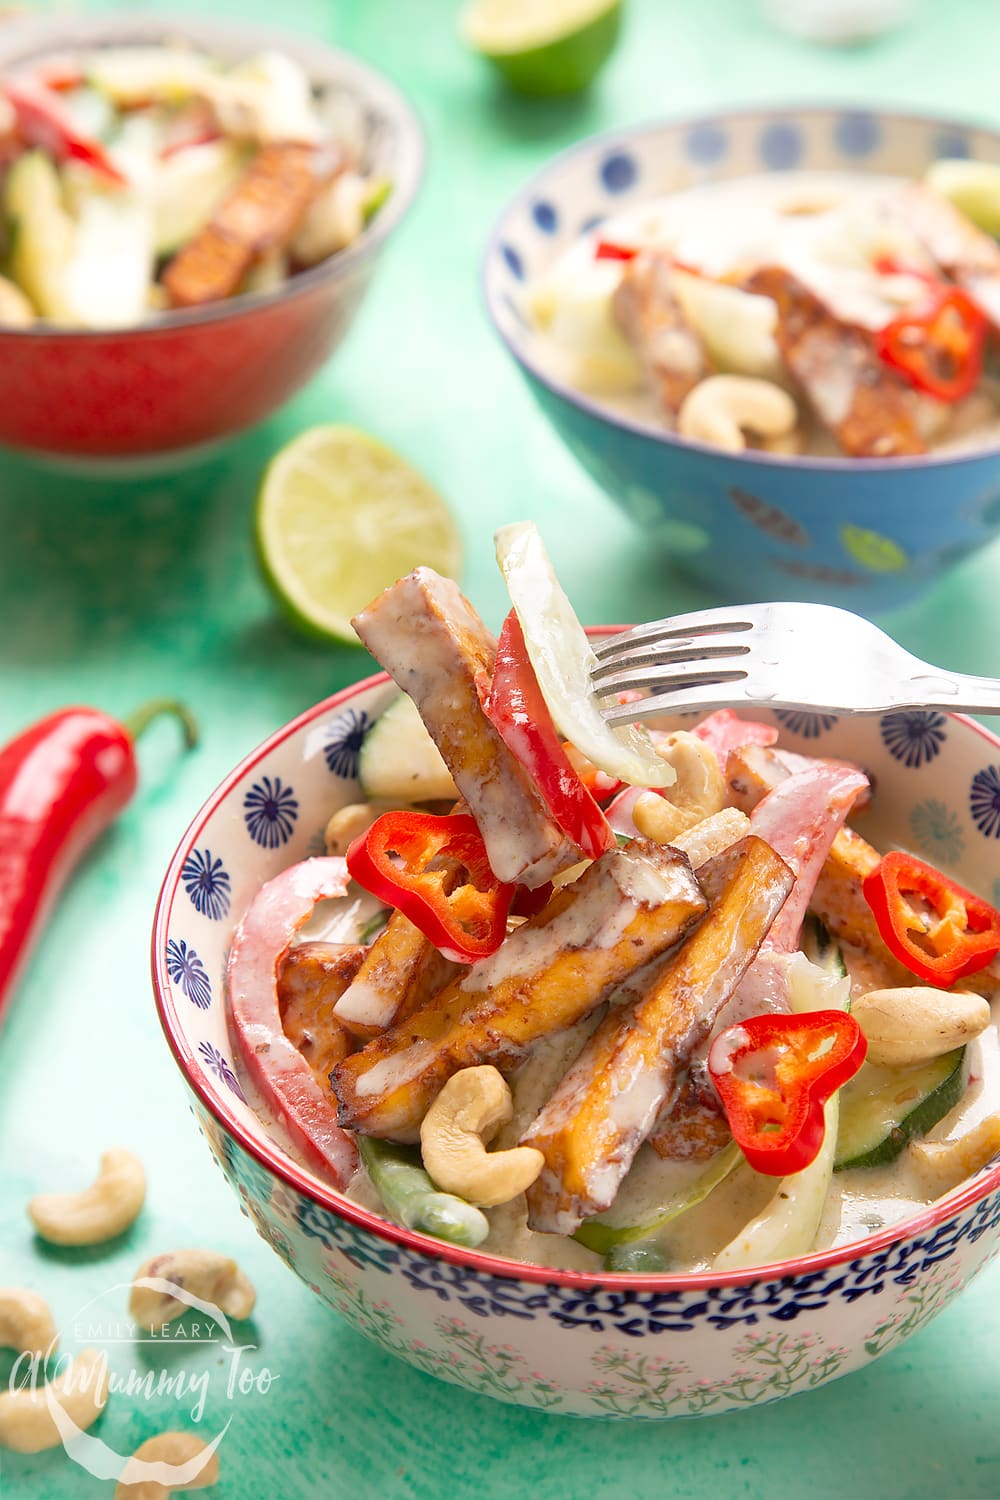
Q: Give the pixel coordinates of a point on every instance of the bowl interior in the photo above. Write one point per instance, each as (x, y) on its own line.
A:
(936, 792)
(603, 176)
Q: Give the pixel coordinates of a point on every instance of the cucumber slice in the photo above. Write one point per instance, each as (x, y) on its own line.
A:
(883, 1108)
(44, 235)
(399, 761)
(188, 187)
(822, 949)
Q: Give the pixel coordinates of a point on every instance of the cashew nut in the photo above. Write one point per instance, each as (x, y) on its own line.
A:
(906, 1026)
(178, 1452)
(698, 791)
(26, 1322)
(205, 1274)
(467, 1113)
(719, 408)
(347, 823)
(26, 1421)
(944, 1164)
(96, 1213)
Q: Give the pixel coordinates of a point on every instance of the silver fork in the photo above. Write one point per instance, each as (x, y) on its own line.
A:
(807, 656)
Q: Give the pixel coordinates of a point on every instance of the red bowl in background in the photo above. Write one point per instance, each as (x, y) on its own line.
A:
(188, 378)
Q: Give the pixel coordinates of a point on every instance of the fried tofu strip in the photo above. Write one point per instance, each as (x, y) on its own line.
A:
(965, 253)
(399, 972)
(311, 979)
(259, 217)
(870, 410)
(430, 639)
(648, 313)
(626, 908)
(754, 770)
(606, 1105)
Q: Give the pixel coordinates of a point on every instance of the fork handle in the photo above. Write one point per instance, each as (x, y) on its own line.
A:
(954, 692)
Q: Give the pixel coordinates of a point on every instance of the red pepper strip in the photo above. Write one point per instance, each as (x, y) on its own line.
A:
(520, 715)
(276, 1067)
(465, 923)
(725, 730)
(938, 344)
(608, 250)
(957, 934)
(61, 783)
(774, 1074)
(891, 265)
(43, 120)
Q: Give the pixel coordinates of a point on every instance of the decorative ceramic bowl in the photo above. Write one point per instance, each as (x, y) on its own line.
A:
(566, 1341)
(864, 533)
(189, 378)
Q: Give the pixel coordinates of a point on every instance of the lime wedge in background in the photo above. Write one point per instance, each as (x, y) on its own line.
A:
(544, 47)
(339, 518)
(973, 187)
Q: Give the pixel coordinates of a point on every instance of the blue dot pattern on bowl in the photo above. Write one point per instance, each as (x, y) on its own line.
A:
(706, 144)
(914, 736)
(857, 134)
(514, 261)
(619, 172)
(545, 216)
(950, 143)
(780, 145)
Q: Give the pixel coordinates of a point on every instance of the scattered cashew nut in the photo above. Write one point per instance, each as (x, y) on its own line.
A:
(349, 822)
(719, 408)
(205, 1274)
(467, 1113)
(177, 1451)
(906, 1026)
(26, 1322)
(97, 1213)
(698, 792)
(942, 1165)
(26, 1421)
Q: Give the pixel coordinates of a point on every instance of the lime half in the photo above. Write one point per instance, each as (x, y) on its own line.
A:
(339, 518)
(544, 47)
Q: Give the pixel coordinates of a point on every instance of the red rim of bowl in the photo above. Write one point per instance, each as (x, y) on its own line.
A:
(270, 1156)
(592, 406)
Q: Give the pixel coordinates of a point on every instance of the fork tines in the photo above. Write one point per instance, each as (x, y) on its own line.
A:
(669, 656)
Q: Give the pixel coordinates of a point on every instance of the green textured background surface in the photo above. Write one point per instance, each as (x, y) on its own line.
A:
(112, 592)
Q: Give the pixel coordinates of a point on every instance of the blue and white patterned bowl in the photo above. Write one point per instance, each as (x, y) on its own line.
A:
(867, 534)
(595, 1345)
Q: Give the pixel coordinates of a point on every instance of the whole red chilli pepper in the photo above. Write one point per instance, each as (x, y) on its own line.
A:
(62, 782)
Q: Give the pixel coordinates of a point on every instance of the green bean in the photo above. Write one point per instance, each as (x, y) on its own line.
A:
(410, 1196)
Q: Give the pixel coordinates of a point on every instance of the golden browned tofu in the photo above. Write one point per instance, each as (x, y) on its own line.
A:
(259, 217)
(311, 979)
(609, 1101)
(430, 639)
(754, 770)
(647, 311)
(399, 972)
(626, 908)
(870, 410)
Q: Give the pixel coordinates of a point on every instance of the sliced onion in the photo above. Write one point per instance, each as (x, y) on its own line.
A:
(562, 658)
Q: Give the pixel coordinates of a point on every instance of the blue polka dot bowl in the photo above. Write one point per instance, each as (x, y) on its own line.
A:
(869, 534)
(580, 1343)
